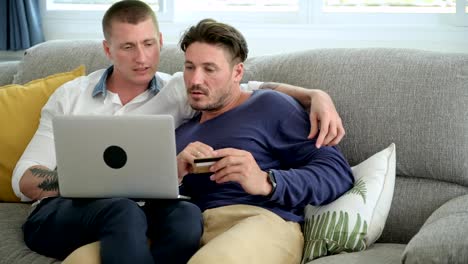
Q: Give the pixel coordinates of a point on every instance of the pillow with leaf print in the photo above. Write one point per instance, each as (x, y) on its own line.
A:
(355, 220)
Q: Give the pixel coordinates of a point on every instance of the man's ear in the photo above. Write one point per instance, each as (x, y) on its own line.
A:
(160, 41)
(105, 46)
(238, 72)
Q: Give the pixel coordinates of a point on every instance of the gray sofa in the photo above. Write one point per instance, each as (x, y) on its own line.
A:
(416, 99)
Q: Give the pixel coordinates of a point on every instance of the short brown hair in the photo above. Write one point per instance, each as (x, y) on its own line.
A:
(127, 11)
(212, 32)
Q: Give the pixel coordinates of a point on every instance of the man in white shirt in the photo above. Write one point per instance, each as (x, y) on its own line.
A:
(57, 226)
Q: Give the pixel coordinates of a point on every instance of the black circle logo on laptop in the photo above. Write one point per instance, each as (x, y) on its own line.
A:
(115, 157)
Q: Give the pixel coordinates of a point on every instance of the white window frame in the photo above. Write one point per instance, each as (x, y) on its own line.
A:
(310, 13)
(460, 18)
(164, 14)
(245, 16)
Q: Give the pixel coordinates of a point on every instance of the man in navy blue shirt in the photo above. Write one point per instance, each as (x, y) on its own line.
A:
(253, 198)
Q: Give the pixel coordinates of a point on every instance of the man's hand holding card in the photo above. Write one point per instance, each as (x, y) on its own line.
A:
(226, 165)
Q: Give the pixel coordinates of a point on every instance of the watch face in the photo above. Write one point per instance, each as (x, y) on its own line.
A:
(271, 178)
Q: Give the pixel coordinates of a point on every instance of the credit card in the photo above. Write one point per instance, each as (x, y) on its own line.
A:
(203, 165)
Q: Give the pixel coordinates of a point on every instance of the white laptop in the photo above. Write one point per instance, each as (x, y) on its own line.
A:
(116, 156)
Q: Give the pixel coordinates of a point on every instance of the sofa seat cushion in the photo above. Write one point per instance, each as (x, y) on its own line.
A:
(378, 253)
(13, 250)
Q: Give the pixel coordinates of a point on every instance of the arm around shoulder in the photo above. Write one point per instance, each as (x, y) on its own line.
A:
(324, 118)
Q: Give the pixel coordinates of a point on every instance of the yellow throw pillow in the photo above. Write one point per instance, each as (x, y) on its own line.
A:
(20, 110)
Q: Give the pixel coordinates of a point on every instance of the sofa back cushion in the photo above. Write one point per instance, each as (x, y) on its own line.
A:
(7, 71)
(56, 56)
(416, 99)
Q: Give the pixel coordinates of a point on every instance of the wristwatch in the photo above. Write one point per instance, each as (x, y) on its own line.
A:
(272, 181)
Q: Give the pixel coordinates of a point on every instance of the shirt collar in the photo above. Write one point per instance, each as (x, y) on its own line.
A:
(154, 86)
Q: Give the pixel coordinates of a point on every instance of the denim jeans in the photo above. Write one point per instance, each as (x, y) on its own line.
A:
(59, 225)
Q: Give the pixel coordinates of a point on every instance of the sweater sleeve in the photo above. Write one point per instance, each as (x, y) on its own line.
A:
(306, 175)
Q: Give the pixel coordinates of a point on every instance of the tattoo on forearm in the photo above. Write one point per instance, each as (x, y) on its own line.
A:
(50, 182)
(269, 85)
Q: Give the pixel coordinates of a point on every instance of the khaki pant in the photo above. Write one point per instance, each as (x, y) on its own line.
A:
(233, 234)
(88, 254)
(248, 234)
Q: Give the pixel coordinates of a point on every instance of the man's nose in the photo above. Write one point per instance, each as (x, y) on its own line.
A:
(140, 54)
(196, 77)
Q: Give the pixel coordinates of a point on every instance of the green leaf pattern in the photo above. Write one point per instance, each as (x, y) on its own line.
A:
(327, 233)
(359, 189)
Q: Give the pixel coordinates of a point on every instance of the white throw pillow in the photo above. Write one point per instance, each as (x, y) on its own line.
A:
(355, 220)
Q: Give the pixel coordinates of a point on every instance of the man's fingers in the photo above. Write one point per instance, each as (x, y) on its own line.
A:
(226, 174)
(332, 133)
(224, 152)
(313, 125)
(338, 137)
(226, 164)
(324, 127)
(185, 157)
(230, 157)
(199, 150)
(232, 177)
(202, 152)
(335, 133)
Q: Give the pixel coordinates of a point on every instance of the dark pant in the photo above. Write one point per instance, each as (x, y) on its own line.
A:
(58, 226)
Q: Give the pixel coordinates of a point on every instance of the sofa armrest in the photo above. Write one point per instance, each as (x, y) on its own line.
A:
(8, 70)
(444, 236)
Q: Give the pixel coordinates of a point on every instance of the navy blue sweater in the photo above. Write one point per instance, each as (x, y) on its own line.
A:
(273, 127)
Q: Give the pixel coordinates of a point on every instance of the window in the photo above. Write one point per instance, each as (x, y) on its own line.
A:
(242, 5)
(264, 11)
(94, 9)
(286, 25)
(295, 11)
(365, 12)
(391, 12)
(89, 4)
(390, 6)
